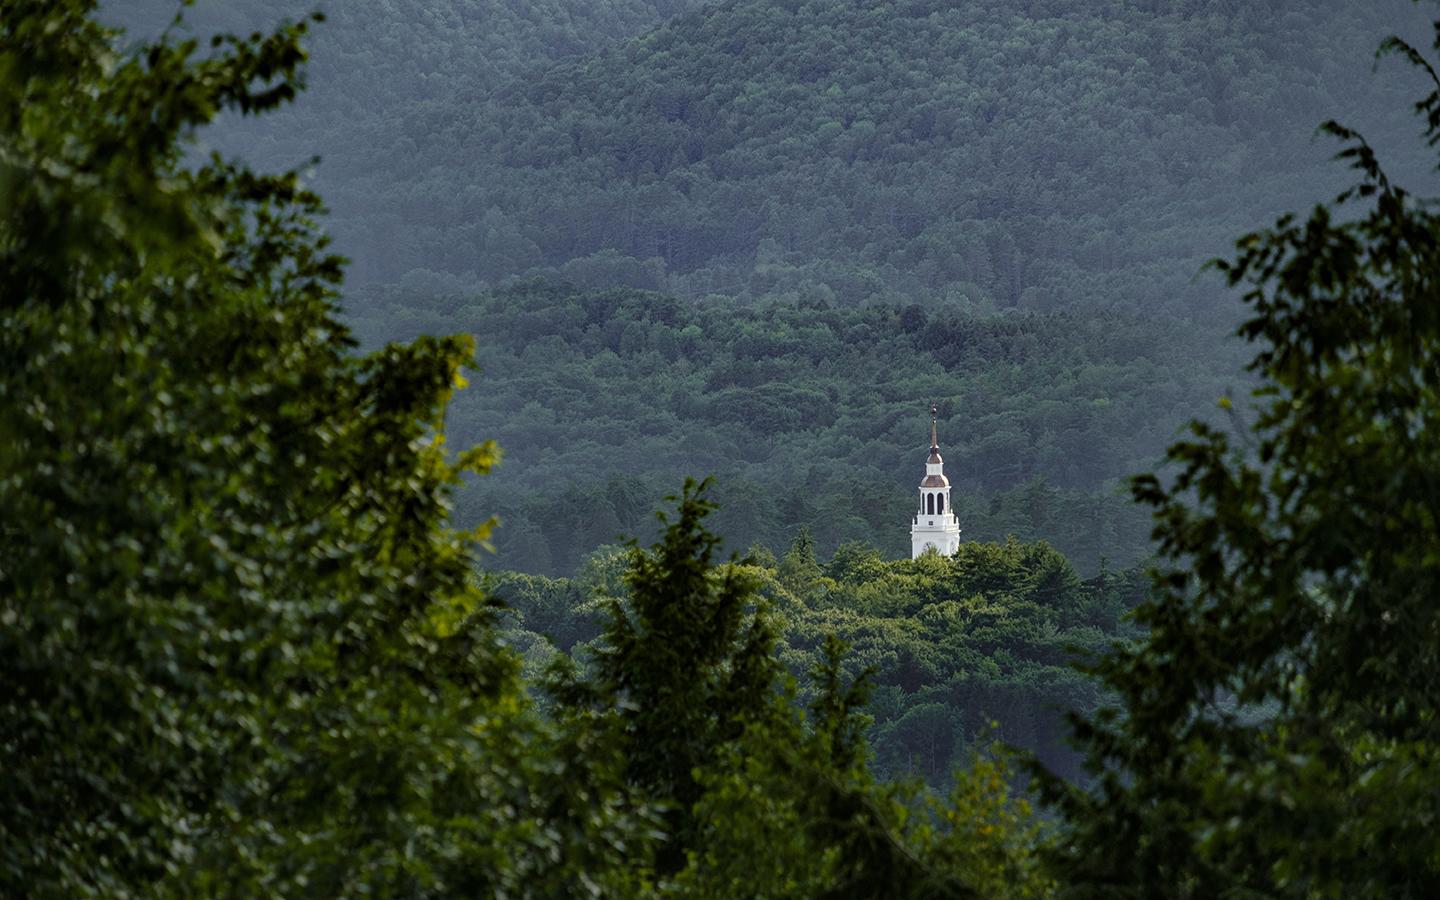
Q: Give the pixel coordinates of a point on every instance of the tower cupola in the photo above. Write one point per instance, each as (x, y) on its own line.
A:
(935, 525)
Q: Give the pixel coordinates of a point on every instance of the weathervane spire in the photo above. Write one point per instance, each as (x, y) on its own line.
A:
(934, 413)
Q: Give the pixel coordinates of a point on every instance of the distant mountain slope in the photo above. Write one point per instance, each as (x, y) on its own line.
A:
(372, 64)
(370, 54)
(605, 400)
(1038, 154)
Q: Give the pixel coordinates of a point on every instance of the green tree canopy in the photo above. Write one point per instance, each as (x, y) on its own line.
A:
(759, 798)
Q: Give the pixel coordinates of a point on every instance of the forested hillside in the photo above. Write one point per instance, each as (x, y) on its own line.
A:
(603, 400)
(1048, 154)
(374, 59)
(380, 73)
(760, 161)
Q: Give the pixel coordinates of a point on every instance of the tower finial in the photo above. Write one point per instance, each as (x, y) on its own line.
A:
(934, 412)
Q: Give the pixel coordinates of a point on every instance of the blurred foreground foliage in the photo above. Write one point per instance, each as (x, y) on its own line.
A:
(241, 649)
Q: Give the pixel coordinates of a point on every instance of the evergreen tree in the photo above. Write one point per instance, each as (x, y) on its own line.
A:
(757, 797)
(684, 663)
(798, 567)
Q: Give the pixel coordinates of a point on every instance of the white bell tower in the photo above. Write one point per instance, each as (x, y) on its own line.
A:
(935, 524)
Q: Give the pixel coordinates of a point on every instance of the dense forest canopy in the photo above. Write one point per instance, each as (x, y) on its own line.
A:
(604, 399)
(761, 161)
(963, 652)
(377, 68)
(1045, 155)
(374, 57)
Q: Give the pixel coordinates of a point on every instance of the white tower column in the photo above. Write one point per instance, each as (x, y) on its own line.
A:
(934, 525)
